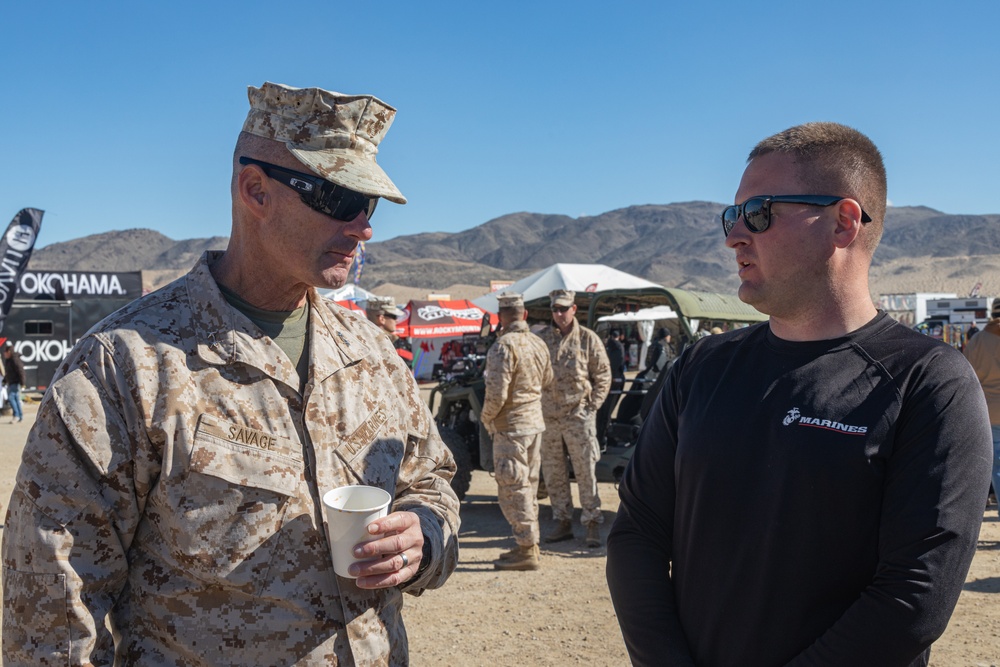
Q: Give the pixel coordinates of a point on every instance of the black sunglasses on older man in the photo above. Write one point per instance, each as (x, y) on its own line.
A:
(334, 200)
(756, 211)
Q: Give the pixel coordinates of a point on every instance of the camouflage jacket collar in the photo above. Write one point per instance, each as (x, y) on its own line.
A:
(225, 336)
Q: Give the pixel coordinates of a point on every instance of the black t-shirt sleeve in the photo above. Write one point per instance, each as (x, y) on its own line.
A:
(639, 545)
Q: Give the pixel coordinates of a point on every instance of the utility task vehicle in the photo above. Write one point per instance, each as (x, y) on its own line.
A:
(457, 400)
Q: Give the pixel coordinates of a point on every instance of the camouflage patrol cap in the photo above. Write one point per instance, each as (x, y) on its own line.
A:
(562, 297)
(384, 305)
(510, 300)
(333, 134)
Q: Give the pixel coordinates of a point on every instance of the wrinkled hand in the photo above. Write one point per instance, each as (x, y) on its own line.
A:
(384, 564)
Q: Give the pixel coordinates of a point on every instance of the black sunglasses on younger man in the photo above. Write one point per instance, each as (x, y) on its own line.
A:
(756, 211)
(334, 200)
(560, 309)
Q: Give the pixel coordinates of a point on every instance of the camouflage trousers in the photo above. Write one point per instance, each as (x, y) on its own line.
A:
(516, 462)
(576, 436)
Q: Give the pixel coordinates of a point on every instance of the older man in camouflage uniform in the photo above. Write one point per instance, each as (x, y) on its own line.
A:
(167, 509)
(582, 382)
(517, 368)
(382, 311)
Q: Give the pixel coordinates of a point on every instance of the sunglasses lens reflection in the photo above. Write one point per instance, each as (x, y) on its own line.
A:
(729, 218)
(755, 214)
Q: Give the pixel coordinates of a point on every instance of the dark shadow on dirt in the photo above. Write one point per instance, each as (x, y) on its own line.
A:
(484, 527)
(988, 545)
(987, 585)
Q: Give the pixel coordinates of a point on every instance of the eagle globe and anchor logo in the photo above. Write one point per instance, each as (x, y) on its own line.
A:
(794, 416)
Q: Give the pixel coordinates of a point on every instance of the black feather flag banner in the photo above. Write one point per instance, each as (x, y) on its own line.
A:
(15, 251)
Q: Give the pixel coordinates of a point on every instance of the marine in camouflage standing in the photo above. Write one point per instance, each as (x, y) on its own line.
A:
(167, 508)
(582, 382)
(517, 368)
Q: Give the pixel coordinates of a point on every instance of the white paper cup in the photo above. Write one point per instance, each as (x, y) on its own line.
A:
(348, 511)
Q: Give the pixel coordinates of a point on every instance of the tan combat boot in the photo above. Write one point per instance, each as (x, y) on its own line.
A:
(562, 532)
(593, 535)
(510, 553)
(526, 558)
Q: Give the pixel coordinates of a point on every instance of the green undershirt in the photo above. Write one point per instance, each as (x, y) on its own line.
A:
(289, 329)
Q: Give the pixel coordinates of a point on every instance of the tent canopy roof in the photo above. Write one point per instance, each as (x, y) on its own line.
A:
(581, 278)
(646, 314)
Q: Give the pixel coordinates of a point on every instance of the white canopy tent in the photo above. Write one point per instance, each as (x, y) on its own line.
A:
(576, 277)
(644, 321)
(644, 315)
(349, 292)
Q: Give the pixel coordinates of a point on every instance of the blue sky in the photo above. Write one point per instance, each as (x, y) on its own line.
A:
(118, 115)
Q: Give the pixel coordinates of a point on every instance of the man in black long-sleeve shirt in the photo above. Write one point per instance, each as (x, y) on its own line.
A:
(807, 491)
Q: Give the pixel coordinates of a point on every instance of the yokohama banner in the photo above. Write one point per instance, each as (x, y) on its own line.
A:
(80, 285)
(15, 250)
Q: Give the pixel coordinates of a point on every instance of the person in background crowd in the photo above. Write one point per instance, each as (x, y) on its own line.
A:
(617, 357)
(973, 330)
(660, 352)
(13, 379)
(626, 351)
(615, 348)
(582, 379)
(517, 368)
(168, 505)
(983, 353)
(808, 490)
(383, 312)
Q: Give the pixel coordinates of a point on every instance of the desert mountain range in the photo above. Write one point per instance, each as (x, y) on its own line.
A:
(676, 245)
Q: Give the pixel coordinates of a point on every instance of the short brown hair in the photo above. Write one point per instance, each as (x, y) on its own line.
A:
(840, 161)
(515, 312)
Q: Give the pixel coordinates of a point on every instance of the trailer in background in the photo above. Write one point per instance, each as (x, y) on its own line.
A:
(910, 309)
(949, 320)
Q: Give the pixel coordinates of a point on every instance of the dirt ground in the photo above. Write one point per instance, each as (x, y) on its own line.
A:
(562, 613)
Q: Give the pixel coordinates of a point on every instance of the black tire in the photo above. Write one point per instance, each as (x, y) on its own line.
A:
(463, 460)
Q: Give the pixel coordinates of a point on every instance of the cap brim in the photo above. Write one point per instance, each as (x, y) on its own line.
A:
(349, 169)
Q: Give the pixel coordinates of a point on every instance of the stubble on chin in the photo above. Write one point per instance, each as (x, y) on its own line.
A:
(333, 279)
(751, 296)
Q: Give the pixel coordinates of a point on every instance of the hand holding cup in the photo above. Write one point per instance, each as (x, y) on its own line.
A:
(394, 557)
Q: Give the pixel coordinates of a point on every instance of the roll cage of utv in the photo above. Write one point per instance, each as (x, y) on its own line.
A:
(457, 400)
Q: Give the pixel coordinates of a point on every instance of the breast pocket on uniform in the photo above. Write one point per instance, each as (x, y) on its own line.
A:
(233, 500)
(375, 448)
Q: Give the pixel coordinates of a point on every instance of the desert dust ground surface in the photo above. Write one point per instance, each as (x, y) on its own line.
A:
(562, 613)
